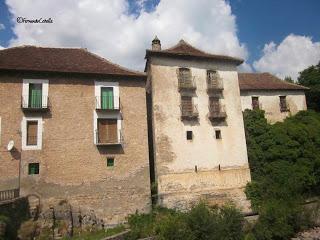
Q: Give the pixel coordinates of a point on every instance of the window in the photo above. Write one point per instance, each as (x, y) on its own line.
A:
(107, 101)
(189, 135)
(255, 103)
(32, 133)
(283, 104)
(33, 168)
(110, 162)
(214, 104)
(218, 134)
(185, 79)
(184, 75)
(107, 131)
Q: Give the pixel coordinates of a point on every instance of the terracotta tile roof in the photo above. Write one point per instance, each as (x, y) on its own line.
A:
(66, 60)
(184, 49)
(265, 81)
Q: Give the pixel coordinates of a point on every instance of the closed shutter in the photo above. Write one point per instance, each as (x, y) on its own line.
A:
(35, 95)
(214, 105)
(184, 76)
(32, 132)
(107, 98)
(107, 131)
(186, 104)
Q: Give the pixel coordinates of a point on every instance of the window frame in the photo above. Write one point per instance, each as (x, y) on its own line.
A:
(45, 91)
(25, 133)
(110, 159)
(33, 164)
(188, 137)
(98, 85)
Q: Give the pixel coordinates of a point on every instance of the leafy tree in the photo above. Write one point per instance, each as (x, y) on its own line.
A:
(310, 77)
(288, 79)
(285, 161)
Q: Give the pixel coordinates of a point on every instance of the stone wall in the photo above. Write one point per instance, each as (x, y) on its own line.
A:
(72, 168)
(270, 102)
(186, 170)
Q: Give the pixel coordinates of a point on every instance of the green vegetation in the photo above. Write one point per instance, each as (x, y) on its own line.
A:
(310, 77)
(96, 235)
(201, 222)
(285, 164)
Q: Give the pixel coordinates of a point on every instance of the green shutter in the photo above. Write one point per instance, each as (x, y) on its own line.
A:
(35, 96)
(107, 98)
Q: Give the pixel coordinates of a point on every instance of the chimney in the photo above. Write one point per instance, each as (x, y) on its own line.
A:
(156, 45)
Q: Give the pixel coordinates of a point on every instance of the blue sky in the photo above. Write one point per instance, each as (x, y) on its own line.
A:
(263, 32)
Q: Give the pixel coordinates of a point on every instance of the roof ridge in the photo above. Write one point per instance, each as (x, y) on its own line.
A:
(112, 63)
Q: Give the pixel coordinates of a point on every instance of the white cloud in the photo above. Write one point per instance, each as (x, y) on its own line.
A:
(2, 26)
(107, 28)
(291, 56)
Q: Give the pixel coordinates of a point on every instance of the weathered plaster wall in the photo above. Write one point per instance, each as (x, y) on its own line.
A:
(176, 157)
(270, 102)
(71, 166)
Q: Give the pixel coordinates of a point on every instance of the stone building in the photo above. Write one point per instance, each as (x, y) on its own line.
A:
(279, 99)
(78, 127)
(196, 126)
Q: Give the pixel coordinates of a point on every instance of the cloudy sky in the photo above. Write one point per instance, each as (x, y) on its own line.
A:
(281, 37)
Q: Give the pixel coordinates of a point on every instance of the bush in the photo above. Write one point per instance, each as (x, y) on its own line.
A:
(201, 222)
(284, 160)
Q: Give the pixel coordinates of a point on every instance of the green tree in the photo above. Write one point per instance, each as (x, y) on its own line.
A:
(288, 79)
(310, 78)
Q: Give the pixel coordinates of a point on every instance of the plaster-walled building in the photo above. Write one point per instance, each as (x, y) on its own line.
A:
(279, 99)
(199, 147)
(79, 130)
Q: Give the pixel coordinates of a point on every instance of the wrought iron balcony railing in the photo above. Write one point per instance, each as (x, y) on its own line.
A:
(187, 83)
(189, 111)
(35, 103)
(115, 139)
(217, 111)
(105, 103)
(214, 85)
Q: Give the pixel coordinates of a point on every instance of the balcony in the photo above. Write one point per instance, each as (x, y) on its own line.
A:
(35, 103)
(214, 85)
(189, 111)
(187, 83)
(217, 112)
(112, 139)
(104, 103)
(9, 194)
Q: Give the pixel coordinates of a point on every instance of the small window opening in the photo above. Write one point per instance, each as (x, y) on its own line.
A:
(218, 134)
(189, 135)
(110, 162)
(33, 168)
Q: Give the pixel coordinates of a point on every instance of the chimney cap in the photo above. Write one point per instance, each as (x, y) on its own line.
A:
(156, 40)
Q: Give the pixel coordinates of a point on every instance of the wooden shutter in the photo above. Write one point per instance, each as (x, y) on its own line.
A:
(107, 131)
(186, 104)
(32, 132)
(214, 105)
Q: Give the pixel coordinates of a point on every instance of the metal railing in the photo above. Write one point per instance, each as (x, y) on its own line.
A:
(186, 83)
(105, 103)
(9, 194)
(107, 140)
(189, 111)
(214, 84)
(34, 103)
(217, 111)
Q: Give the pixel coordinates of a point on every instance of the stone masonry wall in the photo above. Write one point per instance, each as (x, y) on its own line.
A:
(72, 168)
